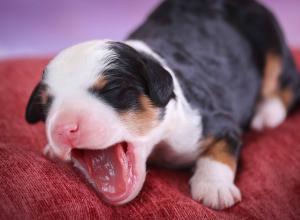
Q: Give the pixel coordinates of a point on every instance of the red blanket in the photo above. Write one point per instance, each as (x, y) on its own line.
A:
(31, 186)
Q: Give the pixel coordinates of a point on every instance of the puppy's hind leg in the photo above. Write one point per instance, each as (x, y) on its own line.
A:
(271, 109)
(280, 81)
(280, 85)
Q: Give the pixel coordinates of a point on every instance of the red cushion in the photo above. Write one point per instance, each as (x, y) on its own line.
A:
(32, 186)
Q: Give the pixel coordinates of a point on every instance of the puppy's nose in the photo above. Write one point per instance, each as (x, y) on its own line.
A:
(67, 134)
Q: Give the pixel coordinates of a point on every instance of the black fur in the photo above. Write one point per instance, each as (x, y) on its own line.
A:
(37, 111)
(134, 74)
(217, 50)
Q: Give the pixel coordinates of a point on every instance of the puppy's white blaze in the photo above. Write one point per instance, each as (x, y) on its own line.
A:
(78, 67)
(270, 114)
(212, 184)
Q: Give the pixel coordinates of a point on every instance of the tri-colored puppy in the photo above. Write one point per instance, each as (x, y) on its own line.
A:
(179, 91)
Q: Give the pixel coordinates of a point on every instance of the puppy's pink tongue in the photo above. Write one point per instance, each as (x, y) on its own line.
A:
(109, 171)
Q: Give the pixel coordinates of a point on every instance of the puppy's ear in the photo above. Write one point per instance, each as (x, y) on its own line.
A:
(159, 82)
(34, 110)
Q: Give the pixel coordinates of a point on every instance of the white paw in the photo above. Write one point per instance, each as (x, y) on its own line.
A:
(215, 194)
(269, 114)
(212, 184)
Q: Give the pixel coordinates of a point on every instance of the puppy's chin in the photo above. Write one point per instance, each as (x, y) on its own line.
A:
(116, 173)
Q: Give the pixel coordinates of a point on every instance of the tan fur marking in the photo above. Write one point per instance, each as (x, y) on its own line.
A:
(272, 71)
(286, 95)
(219, 151)
(271, 85)
(100, 83)
(208, 141)
(143, 120)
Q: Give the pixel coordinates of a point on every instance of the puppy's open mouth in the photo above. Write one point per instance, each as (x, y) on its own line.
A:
(111, 171)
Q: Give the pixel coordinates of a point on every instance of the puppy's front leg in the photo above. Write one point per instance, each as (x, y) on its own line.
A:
(213, 180)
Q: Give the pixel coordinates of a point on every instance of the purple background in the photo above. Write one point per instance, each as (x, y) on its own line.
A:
(39, 27)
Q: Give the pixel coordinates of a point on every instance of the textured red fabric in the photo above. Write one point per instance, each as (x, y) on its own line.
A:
(31, 186)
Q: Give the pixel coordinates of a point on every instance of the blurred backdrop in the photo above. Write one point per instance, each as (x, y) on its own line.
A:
(43, 27)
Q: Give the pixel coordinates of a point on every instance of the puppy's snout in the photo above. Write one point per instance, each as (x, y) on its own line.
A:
(67, 134)
(82, 129)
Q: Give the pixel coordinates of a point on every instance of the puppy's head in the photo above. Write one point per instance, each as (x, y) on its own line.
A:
(103, 104)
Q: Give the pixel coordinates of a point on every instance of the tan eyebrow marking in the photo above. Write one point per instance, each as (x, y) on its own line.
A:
(100, 83)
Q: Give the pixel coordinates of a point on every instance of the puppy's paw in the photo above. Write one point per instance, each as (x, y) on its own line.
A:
(270, 113)
(215, 194)
(212, 184)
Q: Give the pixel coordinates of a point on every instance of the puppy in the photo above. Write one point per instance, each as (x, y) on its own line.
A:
(179, 91)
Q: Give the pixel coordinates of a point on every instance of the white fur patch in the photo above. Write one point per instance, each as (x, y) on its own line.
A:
(270, 113)
(77, 68)
(212, 184)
